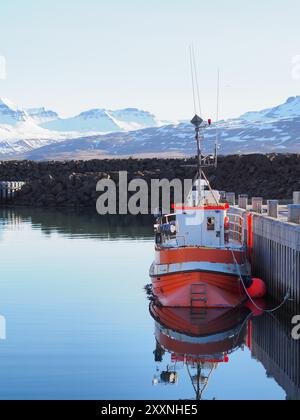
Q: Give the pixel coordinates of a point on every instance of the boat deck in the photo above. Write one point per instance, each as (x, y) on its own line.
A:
(231, 245)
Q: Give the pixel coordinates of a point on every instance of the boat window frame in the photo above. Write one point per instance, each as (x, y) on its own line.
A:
(211, 223)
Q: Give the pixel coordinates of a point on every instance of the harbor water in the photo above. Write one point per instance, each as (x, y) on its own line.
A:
(75, 320)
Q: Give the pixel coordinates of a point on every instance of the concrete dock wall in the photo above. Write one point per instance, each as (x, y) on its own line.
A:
(276, 257)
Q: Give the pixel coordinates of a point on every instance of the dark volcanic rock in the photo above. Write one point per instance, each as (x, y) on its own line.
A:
(73, 183)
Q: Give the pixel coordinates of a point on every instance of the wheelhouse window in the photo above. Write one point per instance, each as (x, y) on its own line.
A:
(211, 223)
(169, 219)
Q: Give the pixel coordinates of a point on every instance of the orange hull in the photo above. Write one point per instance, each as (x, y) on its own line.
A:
(198, 277)
(198, 289)
(182, 255)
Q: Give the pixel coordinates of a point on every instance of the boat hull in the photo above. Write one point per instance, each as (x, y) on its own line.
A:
(198, 289)
(198, 277)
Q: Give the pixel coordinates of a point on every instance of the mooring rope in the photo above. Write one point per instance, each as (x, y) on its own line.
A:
(287, 296)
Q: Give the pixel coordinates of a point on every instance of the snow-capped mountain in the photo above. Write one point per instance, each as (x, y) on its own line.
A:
(23, 130)
(104, 121)
(16, 124)
(42, 115)
(273, 130)
(290, 109)
(236, 136)
(10, 114)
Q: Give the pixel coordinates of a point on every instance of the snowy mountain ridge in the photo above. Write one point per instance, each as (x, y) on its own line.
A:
(41, 134)
(287, 110)
(104, 121)
(42, 115)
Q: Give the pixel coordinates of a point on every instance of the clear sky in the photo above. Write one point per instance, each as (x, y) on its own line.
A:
(73, 55)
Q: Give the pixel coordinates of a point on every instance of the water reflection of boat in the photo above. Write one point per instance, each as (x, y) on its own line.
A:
(199, 339)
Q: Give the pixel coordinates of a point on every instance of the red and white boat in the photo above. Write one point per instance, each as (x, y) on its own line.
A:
(201, 252)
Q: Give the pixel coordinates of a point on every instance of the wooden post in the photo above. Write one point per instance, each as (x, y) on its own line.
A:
(243, 201)
(296, 197)
(257, 203)
(273, 208)
(223, 196)
(294, 213)
(230, 198)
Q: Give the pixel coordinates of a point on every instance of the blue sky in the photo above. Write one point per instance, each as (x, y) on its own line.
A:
(73, 55)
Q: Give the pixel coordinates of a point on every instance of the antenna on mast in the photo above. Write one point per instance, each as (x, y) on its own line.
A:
(203, 160)
(197, 121)
(217, 118)
(193, 79)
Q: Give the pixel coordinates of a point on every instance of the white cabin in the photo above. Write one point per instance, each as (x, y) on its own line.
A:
(201, 227)
(202, 222)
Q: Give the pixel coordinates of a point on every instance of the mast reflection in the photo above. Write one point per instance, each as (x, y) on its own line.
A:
(198, 340)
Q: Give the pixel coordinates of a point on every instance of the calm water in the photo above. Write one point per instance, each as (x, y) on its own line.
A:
(75, 321)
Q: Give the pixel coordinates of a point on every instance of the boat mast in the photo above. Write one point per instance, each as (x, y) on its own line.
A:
(200, 381)
(198, 391)
(197, 121)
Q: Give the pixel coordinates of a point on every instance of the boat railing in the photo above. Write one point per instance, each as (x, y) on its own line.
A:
(236, 227)
(168, 239)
